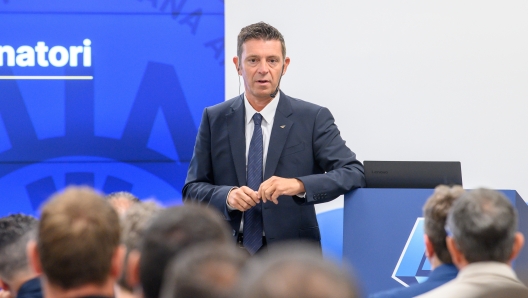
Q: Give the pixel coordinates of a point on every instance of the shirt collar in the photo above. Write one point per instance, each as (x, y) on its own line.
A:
(268, 113)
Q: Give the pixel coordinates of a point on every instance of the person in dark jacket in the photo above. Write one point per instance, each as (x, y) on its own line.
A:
(16, 276)
(435, 213)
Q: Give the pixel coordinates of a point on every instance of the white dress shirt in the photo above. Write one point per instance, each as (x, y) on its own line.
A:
(268, 115)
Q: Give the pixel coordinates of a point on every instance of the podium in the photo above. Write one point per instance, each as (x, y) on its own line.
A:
(383, 236)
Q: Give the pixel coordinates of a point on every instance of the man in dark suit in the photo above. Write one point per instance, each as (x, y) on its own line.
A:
(266, 146)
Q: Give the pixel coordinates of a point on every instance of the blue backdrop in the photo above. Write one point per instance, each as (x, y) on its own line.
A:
(104, 93)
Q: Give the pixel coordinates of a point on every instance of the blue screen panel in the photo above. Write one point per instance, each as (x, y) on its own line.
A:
(24, 190)
(89, 87)
(177, 9)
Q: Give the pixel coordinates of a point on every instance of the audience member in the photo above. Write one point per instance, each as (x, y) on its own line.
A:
(16, 276)
(133, 225)
(483, 240)
(204, 272)
(295, 270)
(171, 232)
(121, 201)
(435, 214)
(77, 247)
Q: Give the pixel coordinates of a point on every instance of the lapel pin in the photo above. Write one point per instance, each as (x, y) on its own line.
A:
(282, 126)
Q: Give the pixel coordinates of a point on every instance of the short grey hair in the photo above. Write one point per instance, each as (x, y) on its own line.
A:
(136, 220)
(133, 225)
(483, 224)
(16, 231)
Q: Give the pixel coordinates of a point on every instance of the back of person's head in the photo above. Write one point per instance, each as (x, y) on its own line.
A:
(203, 271)
(133, 225)
(135, 221)
(435, 213)
(295, 270)
(483, 223)
(16, 231)
(121, 201)
(170, 232)
(77, 238)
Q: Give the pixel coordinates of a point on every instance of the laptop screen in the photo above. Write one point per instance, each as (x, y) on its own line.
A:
(412, 174)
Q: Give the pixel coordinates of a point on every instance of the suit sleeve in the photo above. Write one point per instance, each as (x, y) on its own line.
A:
(199, 184)
(343, 172)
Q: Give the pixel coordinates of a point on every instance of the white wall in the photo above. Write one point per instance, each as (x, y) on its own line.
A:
(409, 80)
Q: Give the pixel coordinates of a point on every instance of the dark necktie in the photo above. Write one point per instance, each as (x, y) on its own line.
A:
(253, 226)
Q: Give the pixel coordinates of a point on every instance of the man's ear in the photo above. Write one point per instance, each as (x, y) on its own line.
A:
(429, 249)
(132, 272)
(518, 244)
(237, 65)
(456, 256)
(117, 261)
(34, 257)
(285, 65)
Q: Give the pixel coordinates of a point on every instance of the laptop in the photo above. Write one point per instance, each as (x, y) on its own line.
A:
(412, 174)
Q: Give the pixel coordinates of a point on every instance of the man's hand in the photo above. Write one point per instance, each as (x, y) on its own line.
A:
(243, 198)
(275, 186)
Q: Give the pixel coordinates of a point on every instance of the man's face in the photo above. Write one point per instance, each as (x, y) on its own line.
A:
(261, 65)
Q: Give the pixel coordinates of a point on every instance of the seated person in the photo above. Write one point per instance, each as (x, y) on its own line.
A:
(482, 239)
(435, 213)
(17, 278)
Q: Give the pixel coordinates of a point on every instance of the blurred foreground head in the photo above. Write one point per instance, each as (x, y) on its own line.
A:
(77, 242)
(295, 270)
(171, 232)
(204, 271)
(133, 224)
(121, 201)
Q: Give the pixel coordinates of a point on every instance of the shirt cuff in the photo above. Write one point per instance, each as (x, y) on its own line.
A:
(229, 207)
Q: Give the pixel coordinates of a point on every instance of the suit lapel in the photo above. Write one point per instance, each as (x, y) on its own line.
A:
(237, 138)
(279, 134)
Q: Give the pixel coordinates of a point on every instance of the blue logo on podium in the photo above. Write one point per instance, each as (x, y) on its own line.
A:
(413, 266)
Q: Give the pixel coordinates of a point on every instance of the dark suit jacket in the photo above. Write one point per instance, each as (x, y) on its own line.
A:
(30, 289)
(304, 144)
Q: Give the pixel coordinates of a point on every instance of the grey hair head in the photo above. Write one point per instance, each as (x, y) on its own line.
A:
(483, 224)
(16, 231)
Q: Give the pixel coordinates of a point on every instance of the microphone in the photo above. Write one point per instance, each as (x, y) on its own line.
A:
(274, 93)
